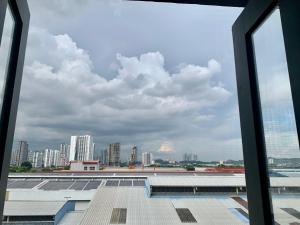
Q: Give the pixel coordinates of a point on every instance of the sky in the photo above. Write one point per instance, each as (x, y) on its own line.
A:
(159, 76)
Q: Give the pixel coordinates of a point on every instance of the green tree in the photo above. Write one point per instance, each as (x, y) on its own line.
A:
(66, 167)
(26, 165)
(190, 168)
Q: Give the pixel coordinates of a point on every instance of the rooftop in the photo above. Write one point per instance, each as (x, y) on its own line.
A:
(32, 208)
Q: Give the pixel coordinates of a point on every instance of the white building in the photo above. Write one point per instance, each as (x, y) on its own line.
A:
(84, 166)
(51, 157)
(147, 158)
(81, 148)
(64, 154)
(37, 159)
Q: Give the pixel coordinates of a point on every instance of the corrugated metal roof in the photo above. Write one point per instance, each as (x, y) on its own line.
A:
(32, 208)
(217, 181)
(142, 210)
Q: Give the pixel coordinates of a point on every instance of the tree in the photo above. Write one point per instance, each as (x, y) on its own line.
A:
(190, 168)
(66, 167)
(27, 165)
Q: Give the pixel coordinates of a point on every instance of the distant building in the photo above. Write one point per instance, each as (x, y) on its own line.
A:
(187, 157)
(38, 160)
(30, 156)
(81, 148)
(13, 157)
(64, 154)
(19, 153)
(84, 165)
(133, 156)
(195, 157)
(114, 154)
(147, 158)
(104, 156)
(51, 157)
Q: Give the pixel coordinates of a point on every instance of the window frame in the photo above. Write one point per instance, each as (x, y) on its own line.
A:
(21, 16)
(257, 179)
(253, 139)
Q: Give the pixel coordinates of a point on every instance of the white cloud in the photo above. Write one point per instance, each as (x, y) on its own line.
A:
(166, 147)
(144, 103)
(275, 89)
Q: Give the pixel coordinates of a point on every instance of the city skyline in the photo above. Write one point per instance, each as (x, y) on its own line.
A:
(133, 86)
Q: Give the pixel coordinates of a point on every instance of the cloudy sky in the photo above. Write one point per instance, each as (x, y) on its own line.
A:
(160, 76)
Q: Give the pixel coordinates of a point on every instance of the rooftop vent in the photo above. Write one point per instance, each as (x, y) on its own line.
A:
(118, 216)
(185, 215)
(292, 212)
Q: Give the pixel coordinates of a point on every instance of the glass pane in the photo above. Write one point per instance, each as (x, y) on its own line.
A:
(5, 49)
(151, 94)
(278, 118)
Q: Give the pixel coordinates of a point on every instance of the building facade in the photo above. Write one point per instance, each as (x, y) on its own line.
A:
(84, 165)
(64, 154)
(133, 156)
(81, 148)
(147, 158)
(38, 160)
(104, 156)
(114, 154)
(19, 153)
(51, 158)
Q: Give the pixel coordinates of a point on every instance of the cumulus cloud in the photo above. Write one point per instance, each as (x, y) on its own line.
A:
(166, 147)
(143, 103)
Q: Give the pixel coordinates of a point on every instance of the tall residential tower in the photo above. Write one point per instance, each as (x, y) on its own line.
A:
(20, 154)
(114, 154)
(81, 148)
(147, 158)
(133, 156)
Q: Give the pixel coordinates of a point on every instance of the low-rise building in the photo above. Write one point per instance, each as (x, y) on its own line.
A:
(84, 165)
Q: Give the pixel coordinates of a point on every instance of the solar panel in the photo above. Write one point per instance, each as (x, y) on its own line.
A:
(78, 185)
(112, 183)
(24, 184)
(92, 185)
(126, 183)
(57, 185)
(118, 216)
(185, 215)
(140, 183)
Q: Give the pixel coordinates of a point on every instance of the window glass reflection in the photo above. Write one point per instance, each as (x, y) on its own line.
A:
(5, 47)
(278, 117)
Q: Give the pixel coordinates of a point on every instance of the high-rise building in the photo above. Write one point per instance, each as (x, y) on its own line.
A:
(114, 154)
(147, 158)
(104, 156)
(81, 148)
(187, 157)
(64, 154)
(195, 157)
(51, 157)
(30, 156)
(133, 156)
(37, 159)
(13, 157)
(19, 153)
